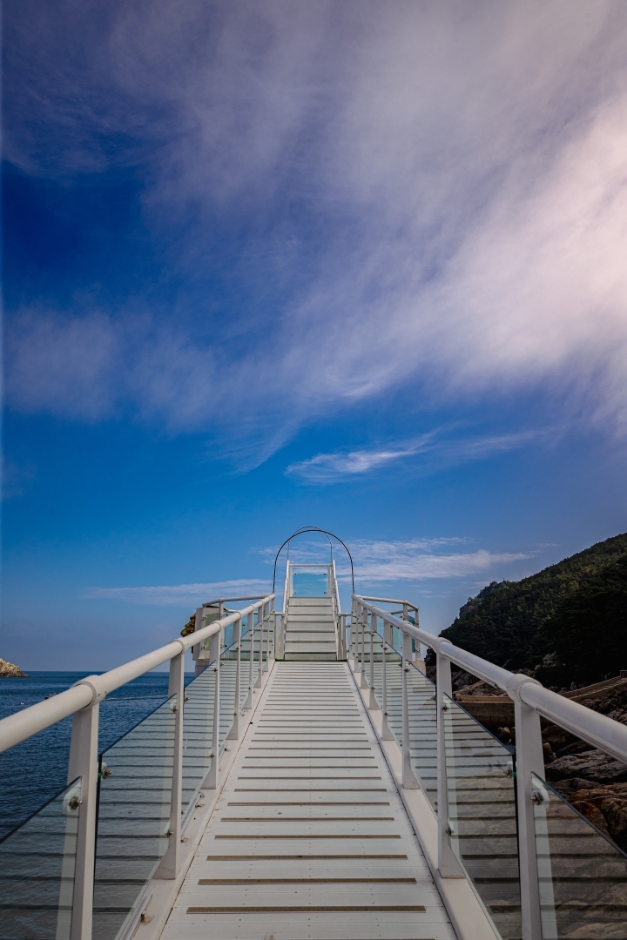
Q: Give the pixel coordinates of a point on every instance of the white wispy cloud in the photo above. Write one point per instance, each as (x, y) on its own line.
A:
(334, 467)
(376, 561)
(420, 559)
(468, 210)
(179, 595)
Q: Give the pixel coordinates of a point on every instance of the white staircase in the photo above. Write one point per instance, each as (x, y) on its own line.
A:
(310, 629)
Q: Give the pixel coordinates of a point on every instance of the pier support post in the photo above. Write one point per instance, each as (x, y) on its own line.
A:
(529, 759)
(233, 734)
(259, 680)
(363, 683)
(250, 623)
(409, 777)
(372, 701)
(386, 734)
(212, 778)
(83, 763)
(169, 864)
(448, 863)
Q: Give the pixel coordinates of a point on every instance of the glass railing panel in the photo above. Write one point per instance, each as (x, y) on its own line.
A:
(228, 634)
(228, 678)
(422, 731)
(482, 815)
(397, 638)
(37, 867)
(250, 673)
(392, 665)
(197, 733)
(377, 656)
(310, 584)
(268, 626)
(133, 817)
(363, 647)
(582, 874)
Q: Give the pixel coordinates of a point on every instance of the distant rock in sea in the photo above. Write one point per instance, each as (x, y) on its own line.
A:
(9, 670)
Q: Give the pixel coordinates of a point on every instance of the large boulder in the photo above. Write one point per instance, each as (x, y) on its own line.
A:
(592, 765)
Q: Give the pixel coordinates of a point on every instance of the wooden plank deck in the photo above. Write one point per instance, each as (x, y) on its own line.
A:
(309, 838)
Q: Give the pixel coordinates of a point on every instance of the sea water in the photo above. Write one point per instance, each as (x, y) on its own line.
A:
(35, 770)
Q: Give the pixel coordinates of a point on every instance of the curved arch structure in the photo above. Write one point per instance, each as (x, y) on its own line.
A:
(313, 528)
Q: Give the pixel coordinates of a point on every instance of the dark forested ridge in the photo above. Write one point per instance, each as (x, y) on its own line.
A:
(544, 623)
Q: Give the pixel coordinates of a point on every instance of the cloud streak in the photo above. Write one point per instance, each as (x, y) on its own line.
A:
(181, 595)
(421, 560)
(463, 216)
(376, 562)
(339, 466)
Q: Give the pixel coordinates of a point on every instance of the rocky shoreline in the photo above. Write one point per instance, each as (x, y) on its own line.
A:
(9, 671)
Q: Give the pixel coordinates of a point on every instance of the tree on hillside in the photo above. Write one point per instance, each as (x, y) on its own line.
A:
(504, 622)
(587, 633)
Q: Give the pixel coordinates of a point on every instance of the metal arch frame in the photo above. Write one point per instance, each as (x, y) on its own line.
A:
(313, 528)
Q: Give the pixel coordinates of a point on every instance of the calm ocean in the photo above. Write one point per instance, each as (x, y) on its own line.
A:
(32, 772)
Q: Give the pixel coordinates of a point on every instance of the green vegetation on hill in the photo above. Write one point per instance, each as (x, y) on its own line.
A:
(587, 633)
(518, 624)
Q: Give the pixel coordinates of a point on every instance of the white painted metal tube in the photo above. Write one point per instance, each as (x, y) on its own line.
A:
(596, 729)
(30, 721)
(83, 763)
(388, 600)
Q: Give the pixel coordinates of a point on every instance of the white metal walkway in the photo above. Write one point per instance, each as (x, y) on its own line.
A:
(309, 838)
(310, 782)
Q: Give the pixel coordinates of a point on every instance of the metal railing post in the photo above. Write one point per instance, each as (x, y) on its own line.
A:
(529, 759)
(408, 778)
(250, 622)
(386, 734)
(406, 620)
(276, 634)
(83, 763)
(372, 701)
(266, 617)
(448, 863)
(351, 650)
(212, 778)
(169, 864)
(233, 734)
(363, 684)
(259, 681)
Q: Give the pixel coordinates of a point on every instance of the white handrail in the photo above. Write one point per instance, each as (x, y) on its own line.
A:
(596, 729)
(24, 724)
(387, 600)
(531, 702)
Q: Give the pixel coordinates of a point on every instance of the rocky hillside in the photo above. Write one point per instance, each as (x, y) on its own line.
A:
(543, 622)
(8, 670)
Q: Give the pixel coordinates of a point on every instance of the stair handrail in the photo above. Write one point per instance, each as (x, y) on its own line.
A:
(92, 689)
(531, 702)
(598, 730)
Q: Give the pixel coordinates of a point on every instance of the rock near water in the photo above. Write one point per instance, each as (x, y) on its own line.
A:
(8, 670)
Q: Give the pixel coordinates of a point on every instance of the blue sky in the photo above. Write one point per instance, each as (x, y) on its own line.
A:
(347, 264)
